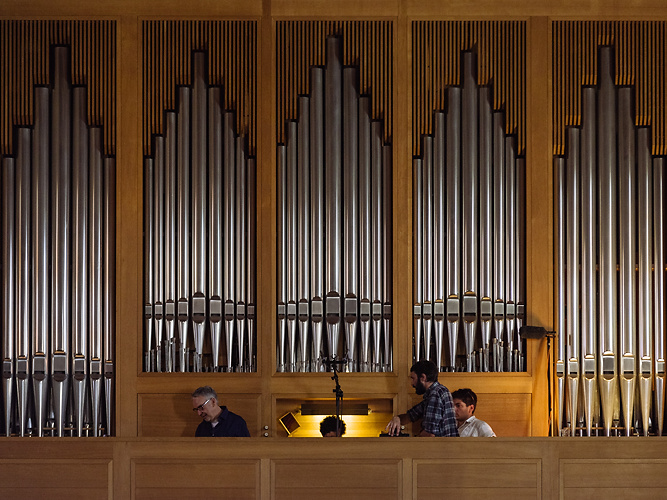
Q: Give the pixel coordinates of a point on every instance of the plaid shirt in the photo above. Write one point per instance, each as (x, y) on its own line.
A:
(436, 412)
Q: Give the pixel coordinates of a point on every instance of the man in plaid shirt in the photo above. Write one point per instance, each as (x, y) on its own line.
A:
(436, 410)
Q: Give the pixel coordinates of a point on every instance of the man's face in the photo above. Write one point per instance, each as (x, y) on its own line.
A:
(461, 411)
(418, 383)
(206, 408)
(331, 434)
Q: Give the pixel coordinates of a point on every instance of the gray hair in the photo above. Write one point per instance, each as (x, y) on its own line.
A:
(206, 391)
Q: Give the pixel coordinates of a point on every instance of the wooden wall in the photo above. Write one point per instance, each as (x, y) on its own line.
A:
(378, 468)
(151, 404)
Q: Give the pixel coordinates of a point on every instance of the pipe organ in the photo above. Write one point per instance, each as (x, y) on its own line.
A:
(469, 203)
(609, 204)
(199, 236)
(334, 227)
(58, 266)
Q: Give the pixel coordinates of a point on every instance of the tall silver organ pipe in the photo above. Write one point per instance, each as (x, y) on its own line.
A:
(58, 269)
(316, 217)
(9, 322)
(470, 198)
(659, 289)
(607, 241)
(334, 222)
(627, 232)
(561, 344)
(588, 317)
(351, 208)
(41, 257)
(572, 262)
(437, 253)
(303, 285)
(333, 193)
(80, 182)
(183, 231)
(610, 210)
(469, 218)
(453, 229)
(199, 196)
(486, 224)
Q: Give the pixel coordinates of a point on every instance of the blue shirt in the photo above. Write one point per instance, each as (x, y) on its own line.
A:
(229, 425)
(436, 411)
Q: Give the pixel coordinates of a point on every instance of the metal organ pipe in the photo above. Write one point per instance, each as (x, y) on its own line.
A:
(437, 163)
(486, 224)
(333, 173)
(561, 259)
(418, 281)
(59, 268)
(572, 265)
(41, 257)
(588, 261)
(303, 213)
(316, 214)
(333, 194)
(453, 212)
(60, 237)
(606, 119)
(80, 182)
(645, 341)
(23, 275)
(183, 257)
(469, 218)
(351, 208)
(199, 191)
(377, 264)
(8, 289)
(499, 292)
(627, 231)
(659, 289)
(170, 240)
(427, 259)
(199, 213)
(614, 202)
(215, 231)
(470, 198)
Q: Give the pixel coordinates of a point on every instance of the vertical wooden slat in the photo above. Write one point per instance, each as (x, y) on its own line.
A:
(300, 45)
(26, 49)
(500, 47)
(640, 61)
(232, 60)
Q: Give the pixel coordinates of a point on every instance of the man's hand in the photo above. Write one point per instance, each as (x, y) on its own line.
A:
(394, 426)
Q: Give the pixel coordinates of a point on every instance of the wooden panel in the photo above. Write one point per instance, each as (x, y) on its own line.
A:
(67, 478)
(613, 473)
(647, 493)
(192, 479)
(336, 479)
(490, 493)
(506, 479)
(171, 415)
(466, 473)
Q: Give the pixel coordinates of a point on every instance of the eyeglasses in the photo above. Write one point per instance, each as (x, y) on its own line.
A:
(201, 406)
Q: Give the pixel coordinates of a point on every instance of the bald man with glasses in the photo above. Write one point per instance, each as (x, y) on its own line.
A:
(217, 421)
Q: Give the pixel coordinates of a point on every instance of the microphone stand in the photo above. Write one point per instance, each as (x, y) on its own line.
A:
(333, 363)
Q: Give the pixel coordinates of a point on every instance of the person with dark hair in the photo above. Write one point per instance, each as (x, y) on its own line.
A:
(465, 402)
(217, 421)
(436, 409)
(328, 427)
